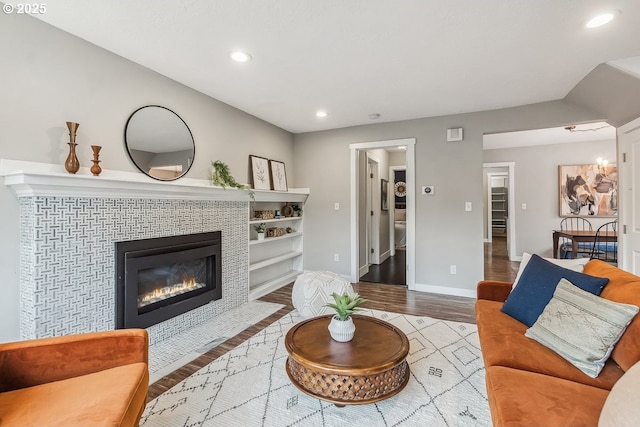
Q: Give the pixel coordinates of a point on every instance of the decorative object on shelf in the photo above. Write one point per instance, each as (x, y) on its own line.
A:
(263, 214)
(260, 179)
(277, 213)
(260, 229)
(72, 165)
(96, 169)
(588, 190)
(278, 175)
(287, 210)
(297, 210)
(221, 176)
(289, 230)
(400, 189)
(159, 143)
(341, 326)
(384, 195)
(275, 232)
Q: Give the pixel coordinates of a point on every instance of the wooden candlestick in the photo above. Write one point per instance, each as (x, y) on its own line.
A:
(96, 169)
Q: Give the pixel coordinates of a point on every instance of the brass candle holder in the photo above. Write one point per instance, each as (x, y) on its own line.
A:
(72, 165)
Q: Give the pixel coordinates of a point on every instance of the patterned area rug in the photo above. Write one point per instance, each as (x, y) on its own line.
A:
(249, 385)
(175, 352)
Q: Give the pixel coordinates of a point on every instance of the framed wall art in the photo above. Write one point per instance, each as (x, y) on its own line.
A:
(588, 190)
(260, 179)
(384, 194)
(278, 175)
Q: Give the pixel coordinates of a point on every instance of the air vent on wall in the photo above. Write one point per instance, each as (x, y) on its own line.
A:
(454, 134)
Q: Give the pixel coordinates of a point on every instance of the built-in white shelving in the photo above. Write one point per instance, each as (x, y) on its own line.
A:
(499, 209)
(275, 261)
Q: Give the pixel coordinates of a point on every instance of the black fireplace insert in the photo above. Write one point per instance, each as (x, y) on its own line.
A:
(157, 279)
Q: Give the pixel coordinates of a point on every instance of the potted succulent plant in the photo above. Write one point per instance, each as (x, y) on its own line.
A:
(341, 327)
(260, 229)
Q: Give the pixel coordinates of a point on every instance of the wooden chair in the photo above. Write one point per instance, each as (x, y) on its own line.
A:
(603, 248)
(565, 249)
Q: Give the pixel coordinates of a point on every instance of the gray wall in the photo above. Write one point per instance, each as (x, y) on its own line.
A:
(536, 184)
(445, 233)
(397, 158)
(51, 77)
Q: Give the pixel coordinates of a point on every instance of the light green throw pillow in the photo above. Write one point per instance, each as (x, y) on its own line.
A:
(581, 327)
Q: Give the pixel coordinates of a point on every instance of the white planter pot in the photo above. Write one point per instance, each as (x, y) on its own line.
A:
(341, 330)
(260, 236)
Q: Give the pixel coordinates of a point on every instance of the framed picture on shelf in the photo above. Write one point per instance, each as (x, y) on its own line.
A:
(384, 196)
(588, 190)
(260, 179)
(278, 175)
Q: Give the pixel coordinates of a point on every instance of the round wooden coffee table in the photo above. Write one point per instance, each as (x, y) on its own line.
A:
(367, 369)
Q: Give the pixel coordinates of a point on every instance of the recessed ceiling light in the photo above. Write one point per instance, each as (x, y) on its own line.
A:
(321, 114)
(240, 56)
(374, 116)
(602, 19)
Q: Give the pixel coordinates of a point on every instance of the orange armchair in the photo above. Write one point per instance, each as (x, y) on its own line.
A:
(93, 379)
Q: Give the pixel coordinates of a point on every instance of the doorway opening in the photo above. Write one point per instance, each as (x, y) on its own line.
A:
(499, 223)
(373, 213)
(387, 224)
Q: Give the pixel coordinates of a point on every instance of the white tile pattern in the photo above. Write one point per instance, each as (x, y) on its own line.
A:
(68, 262)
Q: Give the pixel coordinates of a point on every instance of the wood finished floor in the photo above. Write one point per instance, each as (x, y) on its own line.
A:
(381, 297)
(391, 272)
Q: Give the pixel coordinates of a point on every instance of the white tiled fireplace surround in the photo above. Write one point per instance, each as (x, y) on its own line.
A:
(69, 224)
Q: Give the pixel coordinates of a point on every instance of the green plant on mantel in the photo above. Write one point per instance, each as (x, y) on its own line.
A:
(221, 176)
(346, 304)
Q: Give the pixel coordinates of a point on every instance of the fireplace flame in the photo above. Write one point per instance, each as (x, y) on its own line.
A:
(165, 292)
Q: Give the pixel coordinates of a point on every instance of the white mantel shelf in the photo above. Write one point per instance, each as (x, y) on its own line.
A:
(31, 179)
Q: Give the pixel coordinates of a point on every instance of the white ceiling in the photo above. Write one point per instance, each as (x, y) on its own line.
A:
(598, 131)
(402, 59)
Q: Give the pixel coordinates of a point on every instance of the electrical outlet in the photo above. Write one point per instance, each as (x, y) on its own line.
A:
(336, 206)
(467, 206)
(336, 257)
(524, 206)
(453, 269)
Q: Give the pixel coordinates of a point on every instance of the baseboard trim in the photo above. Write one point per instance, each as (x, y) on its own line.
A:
(363, 270)
(385, 255)
(468, 293)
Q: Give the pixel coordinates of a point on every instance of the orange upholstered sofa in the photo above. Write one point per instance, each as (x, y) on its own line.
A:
(93, 379)
(529, 384)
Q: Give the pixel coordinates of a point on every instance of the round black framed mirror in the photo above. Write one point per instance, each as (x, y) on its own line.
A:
(159, 143)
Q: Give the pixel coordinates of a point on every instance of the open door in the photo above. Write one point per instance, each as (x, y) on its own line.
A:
(629, 212)
(358, 199)
(500, 204)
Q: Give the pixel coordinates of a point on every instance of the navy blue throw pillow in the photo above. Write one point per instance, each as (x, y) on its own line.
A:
(537, 285)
